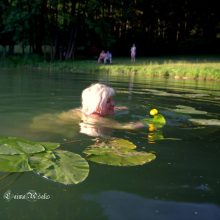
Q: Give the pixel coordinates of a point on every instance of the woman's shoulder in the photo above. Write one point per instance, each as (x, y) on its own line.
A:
(71, 114)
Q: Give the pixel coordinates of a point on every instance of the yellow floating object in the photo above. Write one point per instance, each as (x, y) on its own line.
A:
(153, 111)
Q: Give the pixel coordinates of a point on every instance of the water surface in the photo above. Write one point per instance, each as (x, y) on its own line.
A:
(183, 182)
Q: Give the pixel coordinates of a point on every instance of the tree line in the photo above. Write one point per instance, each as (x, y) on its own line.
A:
(71, 28)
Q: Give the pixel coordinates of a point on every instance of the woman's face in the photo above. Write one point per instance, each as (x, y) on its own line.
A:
(108, 108)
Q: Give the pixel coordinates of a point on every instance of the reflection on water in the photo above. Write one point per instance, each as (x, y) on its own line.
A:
(182, 183)
(94, 130)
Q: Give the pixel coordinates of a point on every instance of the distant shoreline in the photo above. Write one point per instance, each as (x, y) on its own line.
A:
(176, 67)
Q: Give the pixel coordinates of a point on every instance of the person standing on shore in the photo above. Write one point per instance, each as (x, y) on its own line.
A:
(133, 53)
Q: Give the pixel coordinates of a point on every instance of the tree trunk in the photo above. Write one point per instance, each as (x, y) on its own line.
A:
(71, 45)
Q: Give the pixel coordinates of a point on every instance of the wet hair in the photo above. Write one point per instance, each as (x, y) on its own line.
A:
(95, 97)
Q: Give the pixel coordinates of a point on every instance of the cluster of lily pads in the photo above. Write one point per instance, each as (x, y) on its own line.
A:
(44, 158)
(188, 110)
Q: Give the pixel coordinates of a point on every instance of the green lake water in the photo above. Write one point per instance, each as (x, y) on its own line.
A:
(183, 182)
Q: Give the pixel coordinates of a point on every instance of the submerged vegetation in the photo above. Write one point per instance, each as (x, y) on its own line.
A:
(189, 67)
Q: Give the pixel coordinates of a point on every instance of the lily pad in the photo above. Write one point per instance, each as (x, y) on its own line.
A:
(200, 121)
(14, 163)
(16, 145)
(114, 143)
(188, 110)
(125, 159)
(50, 145)
(115, 153)
(60, 166)
(159, 120)
(120, 143)
(175, 94)
(163, 93)
(118, 158)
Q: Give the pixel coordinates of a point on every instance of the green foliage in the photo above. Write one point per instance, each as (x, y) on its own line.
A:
(14, 163)
(60, 166)
(207, 122)
(117, 152)
(157, 27)
(20, 155)
(178, 68)
(43, 158)
(157, 120)
(15, 145)
(189, 110)
(16, 21)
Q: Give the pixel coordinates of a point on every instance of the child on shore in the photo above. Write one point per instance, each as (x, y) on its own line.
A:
(102, 56)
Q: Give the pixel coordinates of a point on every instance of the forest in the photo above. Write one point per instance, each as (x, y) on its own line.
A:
(66, 29)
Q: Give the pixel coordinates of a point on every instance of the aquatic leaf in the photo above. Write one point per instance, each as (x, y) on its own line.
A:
(15, 145)
(117, 152)
(163, 93)
(116, 157)
(188, 110)
(196, 95)
(115, 143)
(120, 143)
(60, 166)
(201, 121)
(159, 120)
(175, 94)
(50, 145)
(14, 163)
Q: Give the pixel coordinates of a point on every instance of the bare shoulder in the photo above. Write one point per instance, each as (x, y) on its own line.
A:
(72, 114)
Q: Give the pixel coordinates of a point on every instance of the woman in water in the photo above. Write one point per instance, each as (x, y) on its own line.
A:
(97, 104)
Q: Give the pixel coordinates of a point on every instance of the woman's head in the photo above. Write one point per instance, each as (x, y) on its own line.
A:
(97, 98)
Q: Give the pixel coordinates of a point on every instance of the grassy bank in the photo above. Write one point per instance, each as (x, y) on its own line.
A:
(188, 67)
